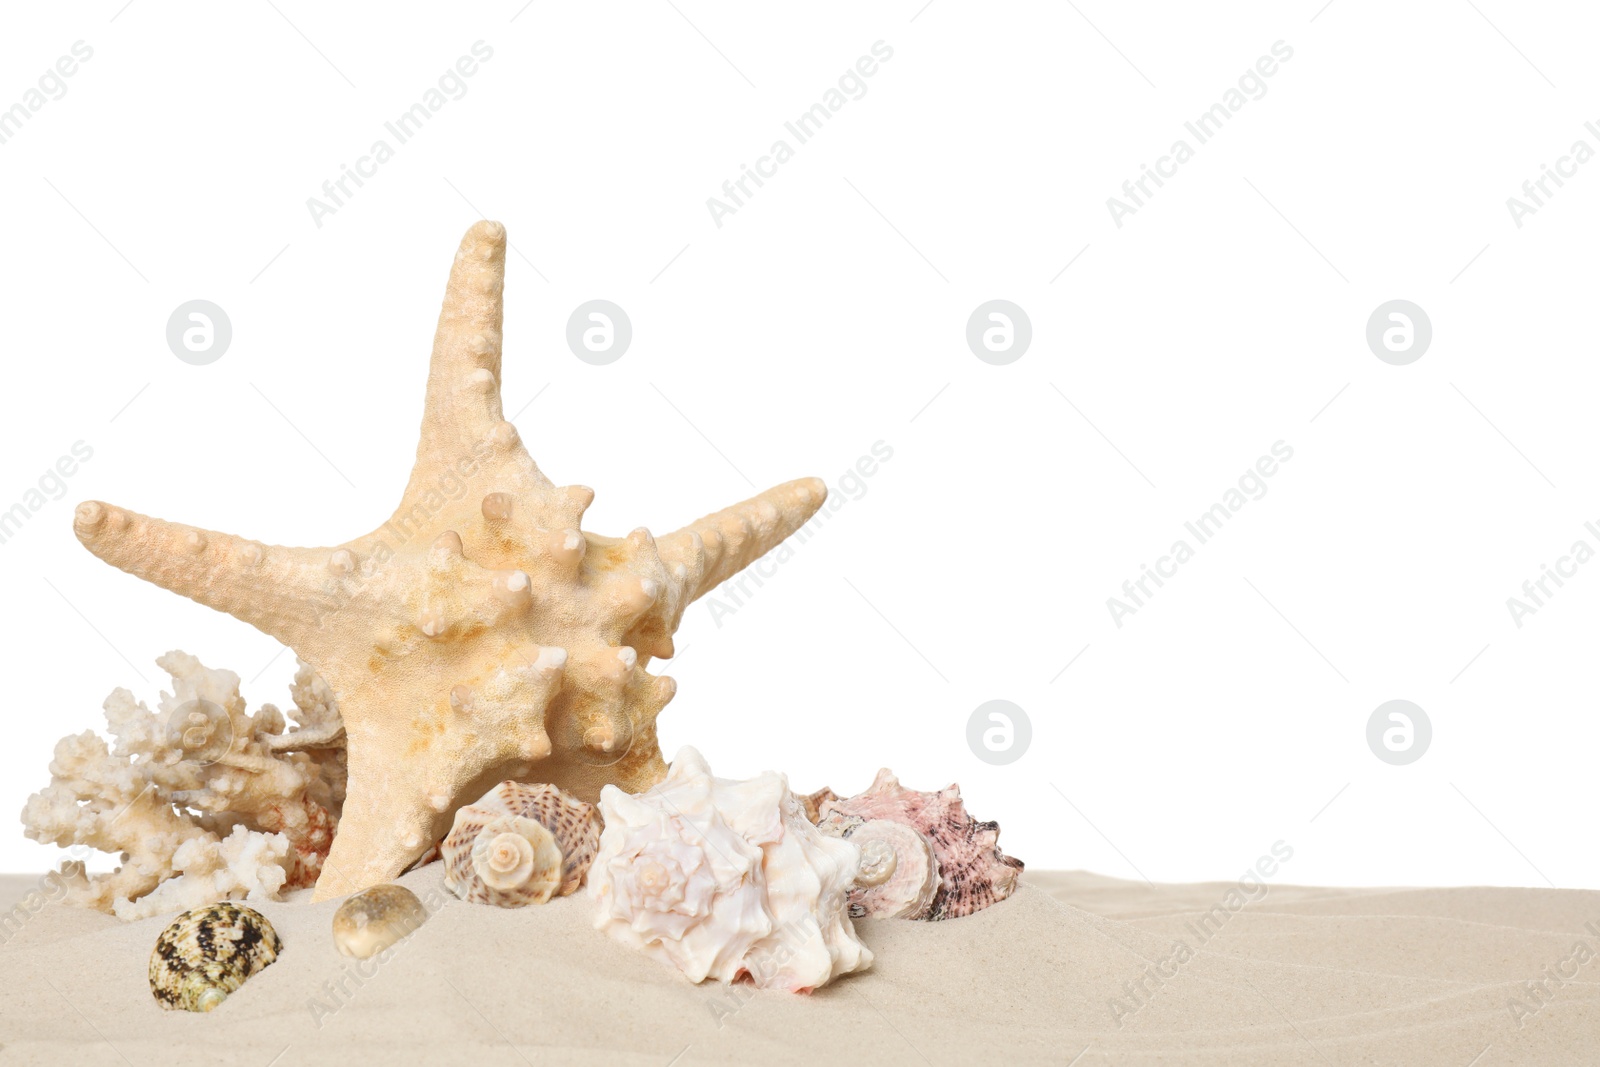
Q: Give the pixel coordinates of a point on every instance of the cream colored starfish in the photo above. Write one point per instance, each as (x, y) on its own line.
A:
(479, 632)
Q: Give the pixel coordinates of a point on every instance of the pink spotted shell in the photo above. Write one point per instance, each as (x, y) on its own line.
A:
(973, 872)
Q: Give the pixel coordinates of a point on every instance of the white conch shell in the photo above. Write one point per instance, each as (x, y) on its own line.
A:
(725, 879)
(491, 857)
(899, 874)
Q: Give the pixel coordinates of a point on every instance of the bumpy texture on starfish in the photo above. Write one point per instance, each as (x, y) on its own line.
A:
(479, 632)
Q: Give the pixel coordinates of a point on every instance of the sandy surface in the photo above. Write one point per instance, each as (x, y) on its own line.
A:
(1298, 976)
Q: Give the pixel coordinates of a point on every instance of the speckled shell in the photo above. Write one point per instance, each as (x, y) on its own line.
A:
(505, 860)
(899, 876)
(208, 953)
(574, 824)
(973, 872)
(375, 919)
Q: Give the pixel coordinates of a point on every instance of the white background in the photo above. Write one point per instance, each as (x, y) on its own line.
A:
(828, 314)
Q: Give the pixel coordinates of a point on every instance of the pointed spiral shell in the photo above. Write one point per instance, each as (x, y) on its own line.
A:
(899, 875)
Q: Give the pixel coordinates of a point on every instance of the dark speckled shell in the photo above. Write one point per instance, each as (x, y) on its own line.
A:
(974, 873)
(210, 951)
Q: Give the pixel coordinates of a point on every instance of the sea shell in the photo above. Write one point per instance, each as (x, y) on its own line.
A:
(899, 876)
(504, 860)
(973, 872)
(812, 804)
(208, 953)
(375, 919)
(725, 879)
(574, 824)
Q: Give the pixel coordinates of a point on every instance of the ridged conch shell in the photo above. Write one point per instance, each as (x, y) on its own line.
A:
(726, 879)
(208, 953)
(520, 844)
(375, 919)
(973, 872)
(899, 876)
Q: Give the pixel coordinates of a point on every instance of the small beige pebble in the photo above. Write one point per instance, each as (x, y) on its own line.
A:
(374, 919)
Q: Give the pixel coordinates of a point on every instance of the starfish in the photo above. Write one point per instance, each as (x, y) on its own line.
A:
(479, 634)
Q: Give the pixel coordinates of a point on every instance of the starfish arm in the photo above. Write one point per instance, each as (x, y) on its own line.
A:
(715, 548)
(284, 592)
(462, 420)
(409, 773)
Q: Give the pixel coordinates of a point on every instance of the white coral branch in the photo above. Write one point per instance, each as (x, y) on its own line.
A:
(202, 800)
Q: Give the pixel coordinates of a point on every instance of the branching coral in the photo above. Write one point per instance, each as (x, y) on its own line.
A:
(203, 800)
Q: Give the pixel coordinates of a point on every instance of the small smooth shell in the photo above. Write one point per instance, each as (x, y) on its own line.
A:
(375, 919)
(207, 953)
(899, 876)
(504, 860)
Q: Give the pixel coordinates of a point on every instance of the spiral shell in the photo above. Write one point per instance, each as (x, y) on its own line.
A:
(972, 871)
(899, 876)
(573, 826)
(504, 860)
(374, 919)
(209, 952)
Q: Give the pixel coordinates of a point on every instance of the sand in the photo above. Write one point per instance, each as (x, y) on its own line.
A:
(1297, 976)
